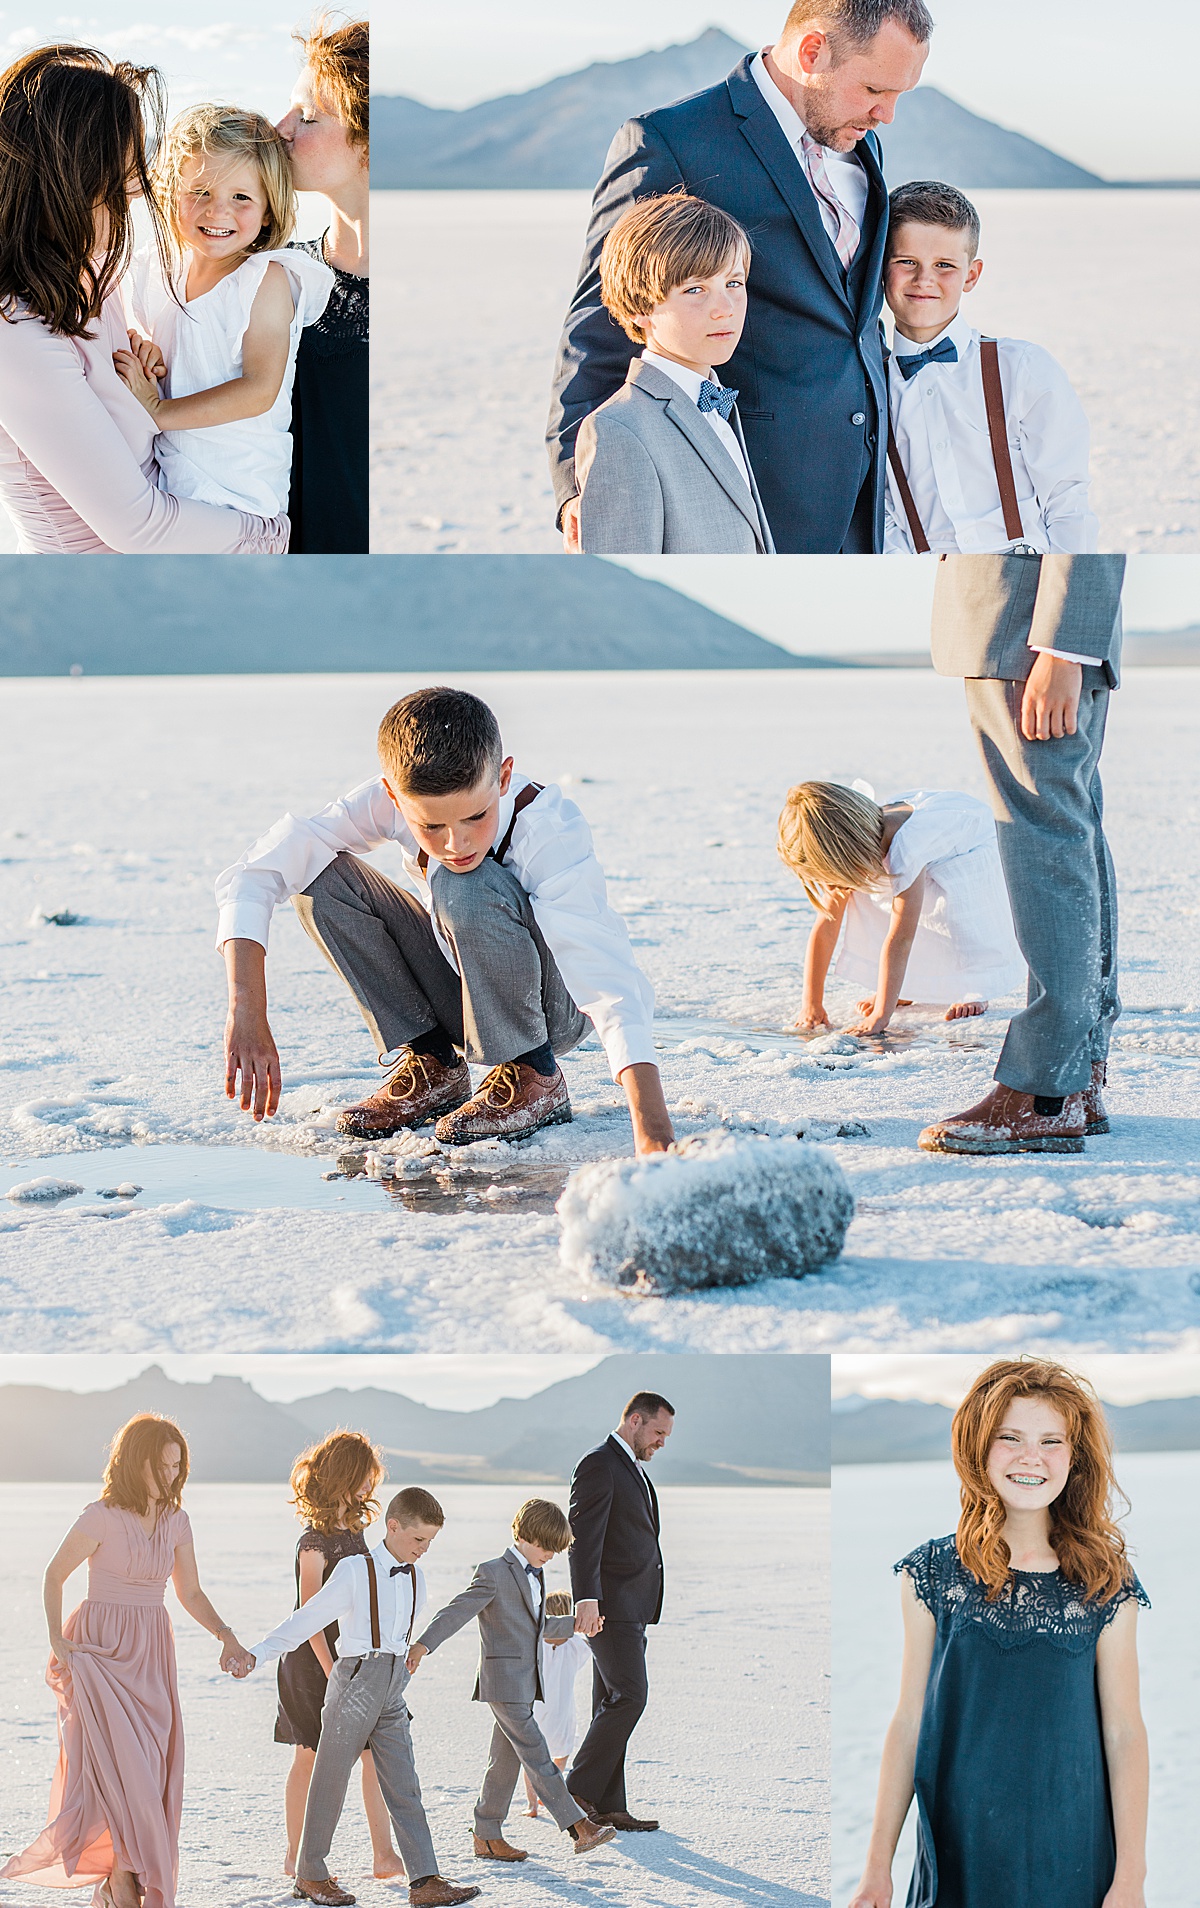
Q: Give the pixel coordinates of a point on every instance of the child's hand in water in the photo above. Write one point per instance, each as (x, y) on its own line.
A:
(131, 372)
(810, 1018)
(871, 1022)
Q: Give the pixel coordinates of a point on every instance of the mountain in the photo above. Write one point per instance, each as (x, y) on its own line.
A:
(908, 1431)
(419, 614)
(557, 135)
(742, 1419)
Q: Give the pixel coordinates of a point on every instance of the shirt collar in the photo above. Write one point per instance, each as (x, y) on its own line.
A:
(688, 381)
(514, 1552)
(790, 121)
(623, 1444)
(959, 331)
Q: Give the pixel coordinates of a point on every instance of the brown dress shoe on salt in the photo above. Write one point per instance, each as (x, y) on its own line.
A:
(436, 1892)
(418, 1090)
(621, 1819)
(1008, 1122)
(512, 1102)
(498, 1850)
(1096, 1120)
(326, 1893)
(587, 1835)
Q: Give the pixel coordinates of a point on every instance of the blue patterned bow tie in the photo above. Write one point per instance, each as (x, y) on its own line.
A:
(944, 353)
(716, 397)
(533, 1571)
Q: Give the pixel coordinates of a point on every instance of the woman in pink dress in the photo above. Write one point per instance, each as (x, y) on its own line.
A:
(77, 469)
(116, 1795)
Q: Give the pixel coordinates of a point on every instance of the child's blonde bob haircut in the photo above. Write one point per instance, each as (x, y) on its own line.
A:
(542, 1523)
(832, 837)
(221, 132)
(660, 244)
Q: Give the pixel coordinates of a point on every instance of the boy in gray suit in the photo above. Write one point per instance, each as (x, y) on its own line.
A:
(662, 465)
(508, 1596)
(1038, 639)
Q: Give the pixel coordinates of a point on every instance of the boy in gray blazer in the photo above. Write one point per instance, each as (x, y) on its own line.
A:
(508, 1596)
(663, 466)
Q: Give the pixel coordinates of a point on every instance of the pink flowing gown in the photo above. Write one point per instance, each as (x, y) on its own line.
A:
(117, 1791)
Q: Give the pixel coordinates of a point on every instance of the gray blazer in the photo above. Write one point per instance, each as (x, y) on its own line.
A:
(656, 479)
(989, 612)
(501, 1596)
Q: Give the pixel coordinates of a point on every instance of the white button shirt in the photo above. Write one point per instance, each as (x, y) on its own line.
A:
(623, 1444)
(939, 418)
(844, 169)
(535, 1588)
(551, 855)
(345, 1599)
(689, 383)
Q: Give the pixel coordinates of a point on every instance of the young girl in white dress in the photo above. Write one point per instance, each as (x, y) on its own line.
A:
(561, 1664)
(214, 348)
(917, 882)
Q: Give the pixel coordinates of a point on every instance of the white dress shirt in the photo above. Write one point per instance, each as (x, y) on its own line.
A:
(845, 170)
(940, 422)
(689, 383)
(551, 855)
(535, 1585)
(345, 1599)
(623, 1444)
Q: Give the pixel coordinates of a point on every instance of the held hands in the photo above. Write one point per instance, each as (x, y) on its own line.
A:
(250, 1051)
(1050, 704)
(413, 1659)
(236, 1661)
(873, 1891)
(588, 1620)
(140, 367)
(570, 527)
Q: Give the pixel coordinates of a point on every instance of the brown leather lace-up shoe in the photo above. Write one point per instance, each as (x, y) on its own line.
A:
(512, 1102)
(587, 1835)
(1008, 1122)
(418, 1089)
(436, 1892)
(326, 1893)
(498, 1850)
(1096, 1121)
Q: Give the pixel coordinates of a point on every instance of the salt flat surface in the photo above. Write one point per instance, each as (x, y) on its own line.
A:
(883, 1511)
(740, 1657)
(471, 289)
(121, 799)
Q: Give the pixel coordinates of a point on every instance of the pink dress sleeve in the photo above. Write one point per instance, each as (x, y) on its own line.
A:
(65, 431)
(181, 1529)
(92, 1522)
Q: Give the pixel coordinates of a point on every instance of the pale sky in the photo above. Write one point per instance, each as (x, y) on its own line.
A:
(450, 1381)
(1108, 86)
(834, 605)
(1122, 1378)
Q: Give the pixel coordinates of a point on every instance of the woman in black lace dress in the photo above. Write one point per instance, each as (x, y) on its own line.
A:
(333, 1489)
(1019, 1730)
(326, 129)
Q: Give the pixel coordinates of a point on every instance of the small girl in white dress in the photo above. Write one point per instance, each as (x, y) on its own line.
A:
(918, 884)
(561, 1664)
(221, 336)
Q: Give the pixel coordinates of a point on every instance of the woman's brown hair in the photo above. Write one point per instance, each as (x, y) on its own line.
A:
(143, 1440)
(1083, 1532)
(340, 58)
(327, 1478)
(72, 143)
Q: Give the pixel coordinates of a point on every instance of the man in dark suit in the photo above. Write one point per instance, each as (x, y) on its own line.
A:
(617, 1575)
(788, 146)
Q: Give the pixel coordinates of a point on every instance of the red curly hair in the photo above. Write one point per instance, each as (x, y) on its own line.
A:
(327, 1478)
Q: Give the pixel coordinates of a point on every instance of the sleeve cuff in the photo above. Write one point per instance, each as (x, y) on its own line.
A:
(1068, 655)
(243, 921)
(629, 1047)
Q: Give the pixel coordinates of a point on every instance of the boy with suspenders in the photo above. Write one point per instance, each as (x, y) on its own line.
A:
(375, 1601)
(507, 953)
(988, 443)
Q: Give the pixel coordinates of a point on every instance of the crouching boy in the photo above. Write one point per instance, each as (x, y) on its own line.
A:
(506, 954)
(508, 1596)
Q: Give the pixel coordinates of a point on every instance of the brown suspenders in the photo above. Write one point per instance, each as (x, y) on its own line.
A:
(993, 397)
(373, 1587)
(528, 794)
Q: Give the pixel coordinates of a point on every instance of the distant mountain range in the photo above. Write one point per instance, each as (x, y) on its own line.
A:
(740, 1419)
(908, 1431)
(557, 135)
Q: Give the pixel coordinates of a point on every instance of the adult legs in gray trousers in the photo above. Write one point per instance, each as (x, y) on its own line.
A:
(1049, 813)
(518, 1743)
(365, 1709)
(508, 996)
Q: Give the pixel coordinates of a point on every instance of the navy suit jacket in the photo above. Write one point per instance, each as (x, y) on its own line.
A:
(615, 1556)
(810, 360)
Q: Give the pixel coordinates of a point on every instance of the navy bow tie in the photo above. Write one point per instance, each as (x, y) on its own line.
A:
(716, 397)
(397, 1568)
(534, 1571)
(944, 353)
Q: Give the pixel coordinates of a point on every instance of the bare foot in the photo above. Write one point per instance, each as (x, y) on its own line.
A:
(531, 1813)
(389, 1867)
(965, 1009)
(289, 1865)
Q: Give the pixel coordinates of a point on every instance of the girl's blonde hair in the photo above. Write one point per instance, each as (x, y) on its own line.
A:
(832, 837)
(558, 1603)
(210, 131)
(328, 1477)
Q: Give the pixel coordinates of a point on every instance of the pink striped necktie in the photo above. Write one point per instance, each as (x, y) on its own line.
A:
(848, 235)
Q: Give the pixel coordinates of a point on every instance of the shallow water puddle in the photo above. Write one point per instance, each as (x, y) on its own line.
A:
(250, 1179)
(965, 1035)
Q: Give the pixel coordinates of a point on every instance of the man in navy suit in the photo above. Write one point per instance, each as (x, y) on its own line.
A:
(617, 1575)
(788, 146)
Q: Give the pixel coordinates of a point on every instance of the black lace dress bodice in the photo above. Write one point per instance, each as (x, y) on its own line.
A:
(1013, 1807)
(301, 1680)
(329, 490)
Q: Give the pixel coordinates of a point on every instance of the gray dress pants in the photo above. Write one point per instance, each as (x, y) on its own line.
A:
(518, 1743)
(365, 1709)
(507, 997)
(1049, 820)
